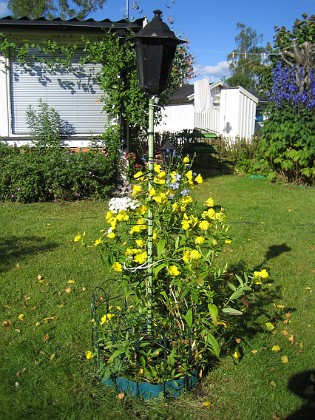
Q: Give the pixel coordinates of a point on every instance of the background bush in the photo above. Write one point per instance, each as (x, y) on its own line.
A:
(31, 174)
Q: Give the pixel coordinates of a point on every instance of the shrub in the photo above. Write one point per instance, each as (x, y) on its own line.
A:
(168, 305)
(288, 134)
(31, 174)
(46, 126)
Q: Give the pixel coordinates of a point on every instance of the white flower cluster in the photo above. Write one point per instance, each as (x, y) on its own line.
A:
(117, 204)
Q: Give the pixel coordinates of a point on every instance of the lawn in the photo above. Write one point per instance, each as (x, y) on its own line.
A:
(46, 283)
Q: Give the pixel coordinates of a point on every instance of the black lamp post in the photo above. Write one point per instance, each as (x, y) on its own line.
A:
(155, 49)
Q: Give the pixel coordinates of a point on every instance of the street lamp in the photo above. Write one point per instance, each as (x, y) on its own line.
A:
(155, 50)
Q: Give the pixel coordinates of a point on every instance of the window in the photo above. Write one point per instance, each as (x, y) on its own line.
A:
(72, 90)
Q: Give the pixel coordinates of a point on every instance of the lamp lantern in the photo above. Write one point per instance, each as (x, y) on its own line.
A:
(155, 49)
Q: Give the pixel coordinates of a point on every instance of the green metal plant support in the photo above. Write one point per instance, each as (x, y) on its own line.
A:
(150, 213)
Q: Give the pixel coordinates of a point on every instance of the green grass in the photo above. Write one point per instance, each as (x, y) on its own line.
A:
(43, 369)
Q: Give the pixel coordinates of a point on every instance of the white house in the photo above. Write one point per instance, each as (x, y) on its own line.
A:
(229, 112)
(73, 90)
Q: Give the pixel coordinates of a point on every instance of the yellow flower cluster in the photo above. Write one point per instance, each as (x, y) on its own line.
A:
(260, 275)
(105, 318)
(139, 256)
(191, 255)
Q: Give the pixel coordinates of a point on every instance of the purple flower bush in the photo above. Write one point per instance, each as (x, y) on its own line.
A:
(289, 86)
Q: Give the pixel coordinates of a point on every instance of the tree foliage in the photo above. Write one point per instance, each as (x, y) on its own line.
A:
(35, 9)
(246, 59)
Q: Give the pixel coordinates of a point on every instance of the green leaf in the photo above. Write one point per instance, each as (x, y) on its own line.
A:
(238, 293)
(231, 311)
(213, 311)
(189, 317)
(215, 348)
(160, 248)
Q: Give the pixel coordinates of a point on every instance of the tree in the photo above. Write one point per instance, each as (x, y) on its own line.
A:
(246, 59)
(35, 9)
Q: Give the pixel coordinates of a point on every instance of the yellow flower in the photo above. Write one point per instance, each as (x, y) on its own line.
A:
(117, 267)
(186, 256)
(195, 255)
(141, 258)
(152, 192)
(159, 181)
(162, 175)
(276, 348)
(122, 216)
(257, 280)
(160, 198)
(141, 209)
(228, 241)
(89, 355)
(137, 189)
(98, 242)
(264, 274)
(185, 224)
(210, 202)
(157, 168)
(173, 270)
(189, 174)
(236, 354)
(204, 225)
(77, 238)
(259, 275)
(175, 206)
(210, 213)
(111, 235)
(132, 251)
(199, 179)
(21, 317)
(139, 176)
(109, 215)
(199, 240)
(140, 243)
(186, 200)
(105, 318)
(191, 255)
(186, 159)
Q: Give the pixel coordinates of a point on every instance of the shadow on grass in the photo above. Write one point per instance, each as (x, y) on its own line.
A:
(257, 307)
(302, 384)
(15, 249)
(212, 167)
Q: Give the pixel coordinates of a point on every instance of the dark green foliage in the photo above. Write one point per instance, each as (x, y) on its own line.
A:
(35, 9)
(31, 174)
(289, 143)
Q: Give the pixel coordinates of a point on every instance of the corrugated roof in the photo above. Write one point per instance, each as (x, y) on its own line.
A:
(10, 22)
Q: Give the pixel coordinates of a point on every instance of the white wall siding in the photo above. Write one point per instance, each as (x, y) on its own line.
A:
(176, 118)
(237, 114)
(209, 120)
(231, 114)
(4, 98)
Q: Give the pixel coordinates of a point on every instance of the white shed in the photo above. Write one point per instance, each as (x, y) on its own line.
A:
(229, 112)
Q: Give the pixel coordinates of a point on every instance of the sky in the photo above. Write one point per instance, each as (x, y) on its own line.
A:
(210, 26)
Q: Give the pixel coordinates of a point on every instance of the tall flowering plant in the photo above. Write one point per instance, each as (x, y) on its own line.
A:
(189, 298)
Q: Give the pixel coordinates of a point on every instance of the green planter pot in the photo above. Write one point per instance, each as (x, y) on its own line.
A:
(149, 391)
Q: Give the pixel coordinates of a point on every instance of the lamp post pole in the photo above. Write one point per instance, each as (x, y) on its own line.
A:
(150, 212)
(155, 49)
